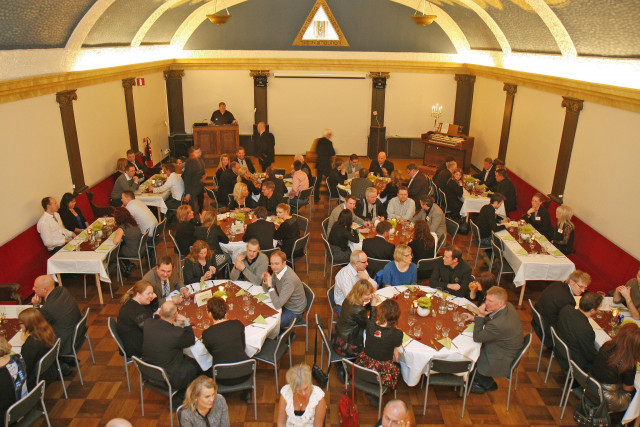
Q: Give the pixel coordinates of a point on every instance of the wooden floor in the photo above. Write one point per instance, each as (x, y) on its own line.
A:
(105, 395)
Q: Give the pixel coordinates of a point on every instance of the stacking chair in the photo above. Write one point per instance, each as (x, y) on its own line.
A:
(303, 223)
(475, 238)
(268, 252)
(47, 361)
(426, 266)
(562, 350)
(325, 228)
(230, 196)
(303, 200)
(113, 252)
(273, 350)
(80, 333)
(25, 412)
(299, 251)
(332, 306)
(329, 255)
(310, 296)
(142, 253)
(332, 356)
(342, 194)
(155, 378)
(536, 315)
(158, 234)
(332, 196)
(181, 407)
(213, 201)
(111, 322)
(376, 265)
(227, 371)
(447, 372)
(504, 265)
(452, 229)
(442, 201)
(366, 380)
(181, 257)
(278, 171)
(592, 386)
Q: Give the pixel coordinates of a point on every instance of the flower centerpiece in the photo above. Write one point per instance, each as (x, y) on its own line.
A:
(97, 226)
(240, 217)
(424, 306)
(526, 231)
(220, 294)
(393, 222)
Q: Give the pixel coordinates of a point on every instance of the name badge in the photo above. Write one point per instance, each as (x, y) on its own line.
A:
(560, 230)
(537, 218)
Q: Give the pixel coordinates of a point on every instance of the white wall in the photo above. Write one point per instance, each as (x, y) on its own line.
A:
(152, 120)
(36, 163)
(486, 119)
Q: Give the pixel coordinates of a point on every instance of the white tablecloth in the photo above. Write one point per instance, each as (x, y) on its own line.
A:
(535, 267)
(153, 199)
(475, 203)
(11, 312)
(254, 336)
(415, 355)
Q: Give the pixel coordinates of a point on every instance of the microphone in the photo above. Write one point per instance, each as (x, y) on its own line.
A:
(375, 114)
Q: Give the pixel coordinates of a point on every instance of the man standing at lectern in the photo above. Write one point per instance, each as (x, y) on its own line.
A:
(266, 146)
(222, 117)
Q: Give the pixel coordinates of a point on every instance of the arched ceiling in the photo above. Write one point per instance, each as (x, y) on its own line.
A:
(570, 28)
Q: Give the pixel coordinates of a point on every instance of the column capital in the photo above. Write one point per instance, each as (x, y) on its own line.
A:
(259, 73)
(173, 74)
(379, 75)
(510, 88)
(465, 78)
(66, 97)
(129, 82)
(572, 105)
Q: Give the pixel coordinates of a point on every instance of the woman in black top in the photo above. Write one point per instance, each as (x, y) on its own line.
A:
(340, 236)
(13, 377)
(71, 215)
(136, 308)
(40, 337)
(288, 232)
(453, 192)
(185, 230)
(211, 233)
(485, 280)
(348, 340)
(563, 234)
(338, 175)
(423, 244)
(391, 190)
(199, 264)
(225, 163)
(241, 199)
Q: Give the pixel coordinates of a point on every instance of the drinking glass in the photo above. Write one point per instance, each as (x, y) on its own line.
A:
(245, 307)
(456, 316)
(461, 325)
(199, 314)
(406, 294)
(438, 328)
(445, 332)
(417, 332)
(251, 310)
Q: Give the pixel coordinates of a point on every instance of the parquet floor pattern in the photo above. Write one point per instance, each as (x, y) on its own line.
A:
(104, 394)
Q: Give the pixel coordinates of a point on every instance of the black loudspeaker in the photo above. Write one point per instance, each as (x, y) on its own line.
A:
(377, 141)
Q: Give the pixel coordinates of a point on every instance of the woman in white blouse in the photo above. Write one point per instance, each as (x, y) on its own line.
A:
(301, 404)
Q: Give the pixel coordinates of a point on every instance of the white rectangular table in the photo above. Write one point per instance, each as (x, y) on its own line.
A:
(153, 199)
(475, 203)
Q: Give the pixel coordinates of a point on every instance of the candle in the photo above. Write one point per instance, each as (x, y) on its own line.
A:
(104, 222)
(224, 297)
(228, 214)
(415, 304)
(614, 312)
(221, 288)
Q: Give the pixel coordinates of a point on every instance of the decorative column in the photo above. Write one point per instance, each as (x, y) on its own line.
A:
(128, 85)
(174, 100)
(65, 100)
(464, 101)
(377, 130)
(260, 82)
(511, 90)
(573, 107)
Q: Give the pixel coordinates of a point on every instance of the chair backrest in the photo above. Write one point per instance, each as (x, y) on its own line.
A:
(592, 387)
(283, 342)
(159, 231)
(327, 248)
(442, 366)
(497, 251)
(303, 223)
(305, 194)
(25, 405)
(113, 329)
(342, 194)
(175, 246)
(332, 195)
(560, 348)
(181, 407)
(323, 335)
(310, 297)
(428, 264)
(142, 249)
(80, 331)
(443, 200)
(300, 243)
(331, 297)
(376, 264)
(312, 182)
(47, 360)
(325, 226)
(452, 228)
(536, 315)
(475, 231)
(362, 374)
(228, 371)
(210, 193)
(268, 252)
(525, 347)
(153, 373)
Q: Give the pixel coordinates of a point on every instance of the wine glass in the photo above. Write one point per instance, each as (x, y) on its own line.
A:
(251, 310)
(445, 332)
(245, 307)
(438, 328)
(417, 332)
(456, 316)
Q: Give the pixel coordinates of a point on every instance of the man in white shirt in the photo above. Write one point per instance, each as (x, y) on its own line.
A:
(53, 234)
(140, 212)
(349, 275)
(174, 183)
(402, 207)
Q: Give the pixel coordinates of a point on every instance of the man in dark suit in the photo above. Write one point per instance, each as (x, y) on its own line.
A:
(141, 168)
(432, 213)
(163, 344)
(194, 176)
(497, 326)
(418, 184)
(444, 175)
(360, 184)
(324, 150)
(279, 187)
(539, 217)
(228, 180)
(128, 181)
(577, 333)
(59, 308)
(266, 146)
(487, 175)
(381, 166)
(506, 188)
(164, 280)
(262, 230)
(378, 247)
(268, 199)
(452, 274)
(487, 221)
(370, 208)
(554, 297)
(243, 161)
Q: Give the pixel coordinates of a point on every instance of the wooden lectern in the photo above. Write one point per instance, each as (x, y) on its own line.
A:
(214, 141)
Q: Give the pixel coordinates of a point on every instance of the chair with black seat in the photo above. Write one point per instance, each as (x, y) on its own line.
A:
(273, 349)
(452, 229)
(303, 223)
(268, 252)
(332, 306)
(10, 292)
(325, 227)
(426, 266)
(158, 234)
(366, 380)
(442, 201)
(302, 200)
(143, 252)
(560, 351)
(299, 251)
(279, 171)
(213, 200)
(309, 296)
(155, 378)
(448, 372)
(333, 195)
(587, 383)
(505, 268)
(342, 194)
(113, 329)
(538, 317)
(99, 211)
(376, 265)
(25, 411)
(475, 239)
(47, 361)
(176, 249)
(228, 371)
(329, 255)
(332, 356)
(80, 333)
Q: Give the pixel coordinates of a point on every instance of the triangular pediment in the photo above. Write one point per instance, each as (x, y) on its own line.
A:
(320, 28)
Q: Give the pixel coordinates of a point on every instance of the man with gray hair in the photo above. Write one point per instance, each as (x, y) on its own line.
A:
(325, 151)
(396, 413)
(349, 275)
(305, 167)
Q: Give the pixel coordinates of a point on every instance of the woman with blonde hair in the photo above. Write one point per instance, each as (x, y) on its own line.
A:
(348, 339)
(186, 228)
(302, 404)
(244, 176)
(391, 190)
(39, 338)
(563, 234)
(13, 376)
(199, 264)
(211, 233)
(225, 163)
(203, 406)
(241, 198)
(401, 271)
(121, 163)
(136, 308)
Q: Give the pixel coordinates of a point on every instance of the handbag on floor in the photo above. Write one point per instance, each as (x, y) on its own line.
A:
(317, 371)
(590, 414)
(347, 407)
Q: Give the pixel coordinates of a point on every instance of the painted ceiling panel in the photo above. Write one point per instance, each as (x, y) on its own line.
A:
(165, 27)
(39, 24)
(368, 25)
(605, 28)
(120, 22)
(479, 35)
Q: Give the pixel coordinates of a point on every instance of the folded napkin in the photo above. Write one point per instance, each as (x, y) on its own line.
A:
(509, 237)
(521, 252)
(446, 342)
(469, 327)
(410, 287)
(69, 247)
(240, 293)
(261, 297)
(83, 234)
(541, 238)
(473, 196)
(260, 320)
(361, 236)
(557, 253)
(103, 247)
(405, 338)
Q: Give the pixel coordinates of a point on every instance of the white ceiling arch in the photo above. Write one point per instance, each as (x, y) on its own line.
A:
(557, 29)
(81, 31)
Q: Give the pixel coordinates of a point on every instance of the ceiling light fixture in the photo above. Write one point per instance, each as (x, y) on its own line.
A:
(219, 18)
(423, 19)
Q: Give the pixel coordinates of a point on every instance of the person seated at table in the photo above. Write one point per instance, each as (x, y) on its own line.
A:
(497, 326)
(423, 244)
(432, 213)
(506, 187)
(211, 233)
(244, 176)
(418, 184)
(381, 166)
(348, 339)
(538, 216)
(391, 189)
(13, 376)
(199, 265)
(71, 215)
(262, 230)
(280, 189)
(401, 207)
(349, 275)
(360, 184)
(128, 181)
(251, 264)
(137, 160)
(337, 176)
(353, 166)
(370, 208)
(564, 231)
(444, 175)
(146, 220)
(484, 280)
(553, 298)
(401, 271)
(128, 235)
(395, 413)
(453, 192)
(301, 402)
(165, 281)
(203, 406)
(174, 183)
(181, 163)
(39, 337)
(383, 339)
(300, 182)
(629, 295)
(379, 247)
(349, 203)
(451, 273)
(243, 160)
(268, 199)
(285, 290)
(242, 200)
(577, 333)
(121, 164)
(615, 367)
(136, 308)
(226, 183)
(304, 166)
(488, 221)
(340, 235)
(487, 175)
(54, 236)
(224, 340)
(223, 165)
(288, 232)
(186, 228)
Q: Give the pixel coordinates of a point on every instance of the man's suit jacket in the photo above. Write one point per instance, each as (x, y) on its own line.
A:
(507, 189)
(377, 247)
(174, 285)
(575, 330)
(121, 185)
(193, 173)
(501, 339)
(324, 150)
(263, 231)
(280, 189)
(250, 166)
(162, 345)
(490, 182)
(359, 186)
(418, 186)
(266, 148)
(228, 180)
(442, 178)
(377, 170)
(362, 207)
(62, 313)
(551, 300)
